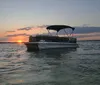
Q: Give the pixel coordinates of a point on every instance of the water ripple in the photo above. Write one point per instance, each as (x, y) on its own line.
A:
(49, 67)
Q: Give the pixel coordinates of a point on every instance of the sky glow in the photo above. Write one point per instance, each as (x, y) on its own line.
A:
(17, 14)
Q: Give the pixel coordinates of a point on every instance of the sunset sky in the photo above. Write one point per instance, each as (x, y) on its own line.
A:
(21, 18)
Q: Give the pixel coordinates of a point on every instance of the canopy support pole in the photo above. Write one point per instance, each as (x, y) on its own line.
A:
(57, 33)
(71, 33)
(49, 32)
(65, 32)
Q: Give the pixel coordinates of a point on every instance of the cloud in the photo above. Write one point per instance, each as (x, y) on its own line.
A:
(30, 28)
(88, 36)
(10, 31)
(3, 39)
(86, 29)
(15, 35)
(81, 33)
(26, 28)
(42, 26)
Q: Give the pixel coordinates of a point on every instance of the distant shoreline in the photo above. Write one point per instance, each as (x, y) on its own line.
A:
(9, 42)
(88, 40)
(24, 42)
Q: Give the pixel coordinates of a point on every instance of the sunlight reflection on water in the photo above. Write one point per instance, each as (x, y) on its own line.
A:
(50, 67)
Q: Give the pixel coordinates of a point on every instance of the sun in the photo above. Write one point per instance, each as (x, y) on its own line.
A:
(19, 41)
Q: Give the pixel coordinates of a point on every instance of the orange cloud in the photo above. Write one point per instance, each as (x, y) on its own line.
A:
(23, 33)
(88, 36)
(10, 31)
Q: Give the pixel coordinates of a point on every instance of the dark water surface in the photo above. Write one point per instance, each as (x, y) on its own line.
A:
(50, 67)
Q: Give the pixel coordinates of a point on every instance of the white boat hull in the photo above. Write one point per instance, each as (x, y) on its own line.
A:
(49, 45)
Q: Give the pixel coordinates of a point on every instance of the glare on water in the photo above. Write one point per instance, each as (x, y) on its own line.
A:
(50, 67)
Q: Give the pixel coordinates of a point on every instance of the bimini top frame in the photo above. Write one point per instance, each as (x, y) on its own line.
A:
(59, 27)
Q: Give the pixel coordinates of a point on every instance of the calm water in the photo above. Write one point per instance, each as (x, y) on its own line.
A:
(50, 67)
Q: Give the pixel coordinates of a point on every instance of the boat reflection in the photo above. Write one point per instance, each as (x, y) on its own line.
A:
(55, 65)
(53, 53)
